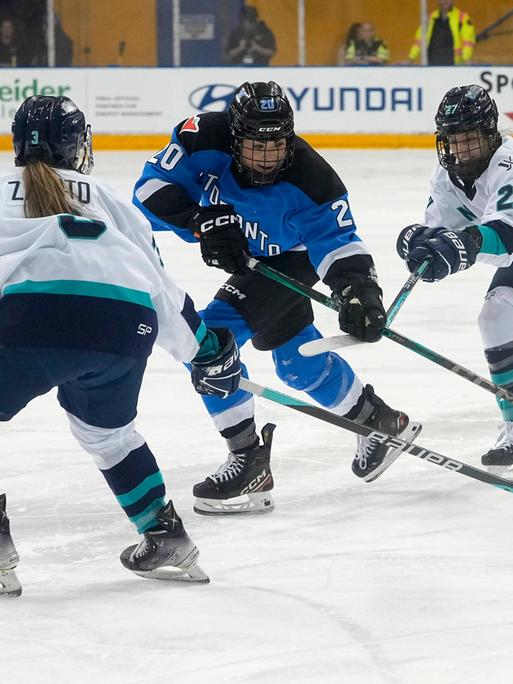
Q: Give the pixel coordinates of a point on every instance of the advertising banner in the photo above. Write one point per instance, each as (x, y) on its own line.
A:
(325, 99)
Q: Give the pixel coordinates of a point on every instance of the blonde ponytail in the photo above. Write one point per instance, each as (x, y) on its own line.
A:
(44, 191)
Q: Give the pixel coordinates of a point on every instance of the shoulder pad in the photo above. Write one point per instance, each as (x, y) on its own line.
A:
(207, 131)
(312, 174)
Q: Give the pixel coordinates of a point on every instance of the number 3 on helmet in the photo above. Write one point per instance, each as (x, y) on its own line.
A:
(52, 130)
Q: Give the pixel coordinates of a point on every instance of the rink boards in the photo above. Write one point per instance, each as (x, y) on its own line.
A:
(135, 108)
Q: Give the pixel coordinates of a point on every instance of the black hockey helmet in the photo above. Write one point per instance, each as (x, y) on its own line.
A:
(261, 112)
(467, 109)
(52, 129)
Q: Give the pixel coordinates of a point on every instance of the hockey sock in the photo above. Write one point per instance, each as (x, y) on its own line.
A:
(241, 437)
(138, 486)
(500, 362)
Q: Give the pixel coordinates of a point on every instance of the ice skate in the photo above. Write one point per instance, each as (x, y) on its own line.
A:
(241, 485)
(499, 459)
(9, 583)
(373, 458)
(167, 553)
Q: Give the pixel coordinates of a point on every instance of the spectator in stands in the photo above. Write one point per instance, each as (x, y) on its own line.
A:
(366, 49)
(10, 46)
(63, 45)
(450, 36)
(352, 34)
(251, 42)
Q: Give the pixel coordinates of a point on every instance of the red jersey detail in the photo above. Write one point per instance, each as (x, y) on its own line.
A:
(191, 125)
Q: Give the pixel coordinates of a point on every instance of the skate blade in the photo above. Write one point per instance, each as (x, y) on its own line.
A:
(254, 504)
(176, 574)
(409, 434)
(9, 583)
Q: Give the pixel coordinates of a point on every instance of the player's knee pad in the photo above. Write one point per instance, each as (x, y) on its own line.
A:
(496, 317)
(298, 371)
(108, 446)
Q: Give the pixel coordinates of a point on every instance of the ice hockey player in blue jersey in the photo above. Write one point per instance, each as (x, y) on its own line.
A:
(83, 298)
(241, 182)
(469, 218)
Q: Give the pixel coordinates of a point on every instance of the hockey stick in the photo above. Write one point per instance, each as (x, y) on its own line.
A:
(327, 344)
(290, 282)
(416, 347)
(383, 438)
(405, 291)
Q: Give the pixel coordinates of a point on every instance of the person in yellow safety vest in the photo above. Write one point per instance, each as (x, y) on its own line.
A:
(366, 48)
(450, 36)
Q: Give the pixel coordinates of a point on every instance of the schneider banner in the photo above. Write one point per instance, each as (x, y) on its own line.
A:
(325, 99)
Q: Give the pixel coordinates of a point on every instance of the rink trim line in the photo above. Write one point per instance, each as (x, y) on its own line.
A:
(105, 141)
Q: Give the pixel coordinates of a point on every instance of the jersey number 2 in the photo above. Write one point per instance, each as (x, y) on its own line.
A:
(343, 208)
(506, 191)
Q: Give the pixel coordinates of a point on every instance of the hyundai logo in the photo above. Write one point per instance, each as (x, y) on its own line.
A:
(212, 98)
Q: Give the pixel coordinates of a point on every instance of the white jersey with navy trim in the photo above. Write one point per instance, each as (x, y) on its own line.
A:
(488, 203)
(121, 262)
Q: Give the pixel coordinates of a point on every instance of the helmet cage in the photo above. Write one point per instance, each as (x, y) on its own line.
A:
(468, 155)
(466, 110)
(260, 112)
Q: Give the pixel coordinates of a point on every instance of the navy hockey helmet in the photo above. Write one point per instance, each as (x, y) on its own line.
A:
(466, 131)
(52, 129)
(259, 114)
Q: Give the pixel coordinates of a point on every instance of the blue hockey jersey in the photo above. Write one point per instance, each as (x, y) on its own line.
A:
(306, 209)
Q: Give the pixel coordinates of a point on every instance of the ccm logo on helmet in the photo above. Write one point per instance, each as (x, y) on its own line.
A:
(269, 129)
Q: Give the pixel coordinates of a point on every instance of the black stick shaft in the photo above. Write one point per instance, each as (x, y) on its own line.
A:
(387, 440)
(416, 347)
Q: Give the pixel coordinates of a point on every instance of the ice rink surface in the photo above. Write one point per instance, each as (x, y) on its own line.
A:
(407, 580)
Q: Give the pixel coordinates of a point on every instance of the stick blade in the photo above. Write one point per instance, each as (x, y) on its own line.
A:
(326, 344)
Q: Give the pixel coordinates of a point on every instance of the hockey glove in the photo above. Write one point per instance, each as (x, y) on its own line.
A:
(449, 251)
(216, 367)
(361, 311)
(223, 244)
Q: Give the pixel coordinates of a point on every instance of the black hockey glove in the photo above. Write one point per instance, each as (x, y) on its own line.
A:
(449, 251)
(223, 244)
(216, 367)
(361, 311)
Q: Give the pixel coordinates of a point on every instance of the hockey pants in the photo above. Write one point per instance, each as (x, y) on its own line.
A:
(99, 393)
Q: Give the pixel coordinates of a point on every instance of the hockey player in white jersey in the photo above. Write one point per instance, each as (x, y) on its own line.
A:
(469, 218)
(83, 298)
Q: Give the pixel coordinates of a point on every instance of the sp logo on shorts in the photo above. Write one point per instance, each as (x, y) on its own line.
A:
(143, 329)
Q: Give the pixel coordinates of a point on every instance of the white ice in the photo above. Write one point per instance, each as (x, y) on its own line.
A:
(407, 580)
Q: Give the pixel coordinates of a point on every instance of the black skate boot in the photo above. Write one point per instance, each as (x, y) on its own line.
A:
(9, 583)
(242, 475)
(373, 458)
(499, 459)
(166, 553)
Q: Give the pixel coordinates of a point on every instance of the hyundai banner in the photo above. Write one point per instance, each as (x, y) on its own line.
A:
(325, 99)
